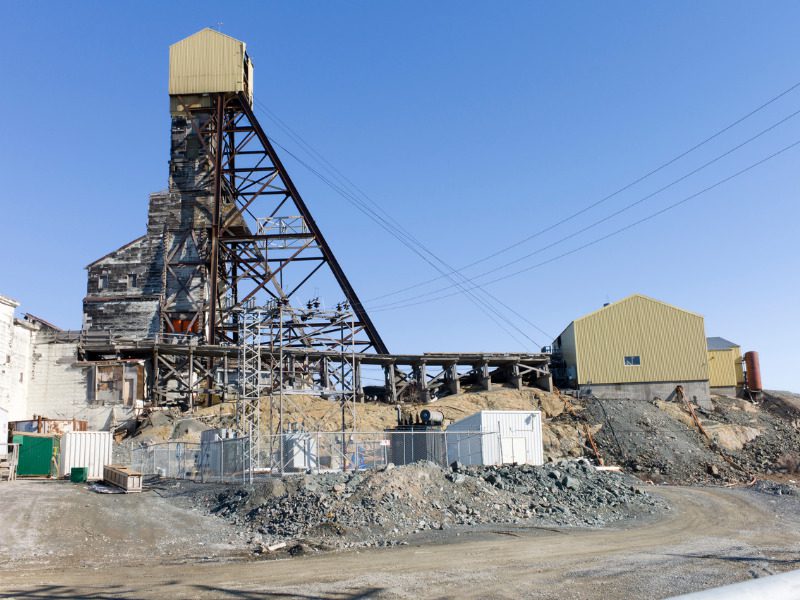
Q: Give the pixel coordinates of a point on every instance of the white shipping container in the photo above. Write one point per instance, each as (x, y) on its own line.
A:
(90, 449)
(496, 437)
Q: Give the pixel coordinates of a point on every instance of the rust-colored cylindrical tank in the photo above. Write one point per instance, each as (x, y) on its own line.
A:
(753, 371)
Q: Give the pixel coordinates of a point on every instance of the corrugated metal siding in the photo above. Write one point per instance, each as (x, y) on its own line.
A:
(207, 61)
(90, 449)
(725, 368)
(511, 424)
(671, 343)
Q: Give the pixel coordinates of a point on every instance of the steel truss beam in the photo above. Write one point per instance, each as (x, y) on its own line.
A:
(252, 241)
(264, 243)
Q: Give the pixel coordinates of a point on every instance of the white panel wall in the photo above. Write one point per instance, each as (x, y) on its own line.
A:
(90, 449)
(15, 360)
(516, 429)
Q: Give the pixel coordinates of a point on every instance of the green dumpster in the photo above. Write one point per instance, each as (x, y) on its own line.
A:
(38, 454)
(78, 474)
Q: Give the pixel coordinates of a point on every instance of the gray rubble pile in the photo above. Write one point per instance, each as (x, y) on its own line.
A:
(380, 508)
(774, 488)
(654, 446)
(649, 443)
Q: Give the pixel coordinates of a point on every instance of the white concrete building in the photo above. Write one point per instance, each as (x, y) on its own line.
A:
(16, 353)
(41, 374)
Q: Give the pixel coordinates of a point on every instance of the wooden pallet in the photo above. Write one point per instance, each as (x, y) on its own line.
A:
(123, 477)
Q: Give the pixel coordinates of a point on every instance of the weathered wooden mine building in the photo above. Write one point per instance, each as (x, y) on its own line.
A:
(224, 287)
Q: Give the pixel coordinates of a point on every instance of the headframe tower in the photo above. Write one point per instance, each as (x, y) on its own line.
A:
(247, 236)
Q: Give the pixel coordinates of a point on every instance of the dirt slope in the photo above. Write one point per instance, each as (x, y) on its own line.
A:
(561, 439)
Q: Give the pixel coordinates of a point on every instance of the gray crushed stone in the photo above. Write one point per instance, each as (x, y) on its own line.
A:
(381, 508)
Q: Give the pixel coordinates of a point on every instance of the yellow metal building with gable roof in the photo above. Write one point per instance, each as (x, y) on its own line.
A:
(725, 372)
(637, 347)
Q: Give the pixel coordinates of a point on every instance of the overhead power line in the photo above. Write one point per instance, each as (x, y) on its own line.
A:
(616, 213)
(398, 231)
(611, 234)
(490, 311)
(605, 198)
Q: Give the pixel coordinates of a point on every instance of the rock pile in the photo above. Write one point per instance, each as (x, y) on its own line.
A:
(380, 508)
(774, 488)
(658, 441)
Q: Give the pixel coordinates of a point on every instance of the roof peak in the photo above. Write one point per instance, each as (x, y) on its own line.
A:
(631, 297)
(210, 29)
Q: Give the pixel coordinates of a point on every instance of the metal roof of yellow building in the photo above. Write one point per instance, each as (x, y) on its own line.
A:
(626, 298)
(636, 339)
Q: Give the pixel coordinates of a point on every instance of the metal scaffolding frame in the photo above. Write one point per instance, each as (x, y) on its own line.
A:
(269, 367)
(255, 325)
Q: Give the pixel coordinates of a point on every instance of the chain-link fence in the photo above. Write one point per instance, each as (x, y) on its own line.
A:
(228, 460)
(337, 451)
(217, 461)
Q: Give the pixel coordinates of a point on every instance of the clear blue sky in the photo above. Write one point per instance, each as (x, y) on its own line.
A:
(475, 124)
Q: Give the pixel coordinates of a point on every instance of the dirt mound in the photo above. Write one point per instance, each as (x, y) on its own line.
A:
(320, 414)
(173, 425)
(379, 508)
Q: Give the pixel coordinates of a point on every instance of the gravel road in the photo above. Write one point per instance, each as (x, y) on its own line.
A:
(710, 537)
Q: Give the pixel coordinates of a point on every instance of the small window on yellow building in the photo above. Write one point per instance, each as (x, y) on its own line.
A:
(633, 361)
